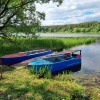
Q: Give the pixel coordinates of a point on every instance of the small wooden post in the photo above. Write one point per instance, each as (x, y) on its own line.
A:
(80, 52)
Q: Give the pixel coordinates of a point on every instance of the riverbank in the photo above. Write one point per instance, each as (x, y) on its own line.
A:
(92, 84)
(21, 84)
(56, 44)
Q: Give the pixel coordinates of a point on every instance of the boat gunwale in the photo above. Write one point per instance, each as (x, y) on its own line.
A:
(61, 61)
(10, 57)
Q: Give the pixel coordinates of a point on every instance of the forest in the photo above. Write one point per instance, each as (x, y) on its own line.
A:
(86, 27)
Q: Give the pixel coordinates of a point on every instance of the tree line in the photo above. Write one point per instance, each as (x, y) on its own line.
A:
(86, 27)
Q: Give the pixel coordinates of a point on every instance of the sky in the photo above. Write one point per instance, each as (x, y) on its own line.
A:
(70, 12)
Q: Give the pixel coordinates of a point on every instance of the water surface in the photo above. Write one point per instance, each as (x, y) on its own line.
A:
(68, 35)
(90, 57)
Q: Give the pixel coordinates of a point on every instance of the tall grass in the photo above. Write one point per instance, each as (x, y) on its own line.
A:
(43, 72)
(25, 44)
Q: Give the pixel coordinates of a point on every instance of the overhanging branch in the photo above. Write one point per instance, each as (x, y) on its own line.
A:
(20, 7)
(5, 7)
(8, 19)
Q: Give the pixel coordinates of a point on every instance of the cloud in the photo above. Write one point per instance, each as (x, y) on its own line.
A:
(71, 11)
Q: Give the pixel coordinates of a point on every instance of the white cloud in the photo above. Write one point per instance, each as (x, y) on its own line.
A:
(71, 11)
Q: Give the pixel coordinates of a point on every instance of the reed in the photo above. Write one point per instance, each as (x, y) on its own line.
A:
(25, 44)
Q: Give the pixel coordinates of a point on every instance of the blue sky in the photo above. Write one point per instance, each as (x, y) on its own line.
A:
(70, 12)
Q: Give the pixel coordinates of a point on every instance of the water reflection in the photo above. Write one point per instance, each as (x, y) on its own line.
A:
(90, 58)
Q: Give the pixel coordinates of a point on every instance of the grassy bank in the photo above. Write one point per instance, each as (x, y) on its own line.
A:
(19, 84)
(47, 43)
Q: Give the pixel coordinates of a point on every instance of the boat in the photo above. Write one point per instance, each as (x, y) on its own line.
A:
(22, 56)
(57, 62)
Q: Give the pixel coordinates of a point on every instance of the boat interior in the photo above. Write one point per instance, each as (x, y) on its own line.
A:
(33, 52)
(58, 58)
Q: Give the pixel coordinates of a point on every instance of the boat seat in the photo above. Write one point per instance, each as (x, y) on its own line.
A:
(67, 57)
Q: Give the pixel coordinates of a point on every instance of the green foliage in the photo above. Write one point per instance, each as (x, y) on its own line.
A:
(21, 16)
(86, 27)
(78, 93)
(31, 70)
(76, 30)
(44, 71)
(64, 76)
(19, 84)
(57, 44)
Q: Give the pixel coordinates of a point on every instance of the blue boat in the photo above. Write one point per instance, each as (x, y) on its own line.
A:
(57, 62)
(22, 56)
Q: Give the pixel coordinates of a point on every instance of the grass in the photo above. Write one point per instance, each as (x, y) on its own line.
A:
(43, 72)
(19, 84)
(47, 43)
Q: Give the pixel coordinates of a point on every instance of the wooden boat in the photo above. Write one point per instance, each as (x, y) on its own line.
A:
(57, 62)
(22, 56)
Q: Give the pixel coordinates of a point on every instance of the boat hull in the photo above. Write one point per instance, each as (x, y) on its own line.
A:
(55, 67)
(14, 60)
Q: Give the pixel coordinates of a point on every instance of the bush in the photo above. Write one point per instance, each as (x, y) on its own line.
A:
(44, 71)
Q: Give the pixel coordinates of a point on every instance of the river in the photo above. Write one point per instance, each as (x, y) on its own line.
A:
(67, 35)
(90, 58)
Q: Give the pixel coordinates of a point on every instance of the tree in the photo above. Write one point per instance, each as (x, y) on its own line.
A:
(20, 16)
